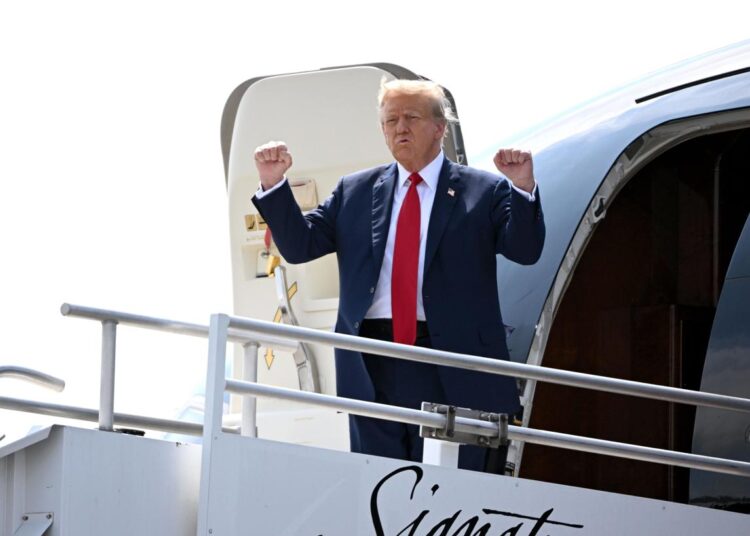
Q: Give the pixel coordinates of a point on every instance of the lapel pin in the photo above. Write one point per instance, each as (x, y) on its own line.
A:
(451, 192)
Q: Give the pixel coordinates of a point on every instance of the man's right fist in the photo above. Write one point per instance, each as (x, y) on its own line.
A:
(272, 160)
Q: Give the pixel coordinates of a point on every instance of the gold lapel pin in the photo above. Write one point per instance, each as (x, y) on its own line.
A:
(451, 192)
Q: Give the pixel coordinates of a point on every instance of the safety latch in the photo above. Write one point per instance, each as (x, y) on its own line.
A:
(449, 433)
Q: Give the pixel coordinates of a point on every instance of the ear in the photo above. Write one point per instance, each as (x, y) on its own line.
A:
(440, 130)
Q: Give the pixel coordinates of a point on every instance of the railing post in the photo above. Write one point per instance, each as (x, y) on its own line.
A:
(443, 453)
(107, 384)
(249, 403)
(218, 332)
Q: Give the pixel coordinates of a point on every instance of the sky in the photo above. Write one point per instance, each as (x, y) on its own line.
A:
(111, 178)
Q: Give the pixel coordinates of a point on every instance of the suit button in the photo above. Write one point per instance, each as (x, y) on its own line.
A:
(356, 325)
(372, 290)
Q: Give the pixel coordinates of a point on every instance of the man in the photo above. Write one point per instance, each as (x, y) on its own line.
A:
(416, 242)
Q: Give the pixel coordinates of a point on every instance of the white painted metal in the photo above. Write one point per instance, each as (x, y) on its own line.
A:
(212, 436)
(442, 453)
(302, 424)
(364, 408)
(626, 450)
(249, 403)
(172, 326)
(33, 376)
(97, 483)
(34, 524)
(92, 415)
(107, 384)
(264, 487)
(25, 441)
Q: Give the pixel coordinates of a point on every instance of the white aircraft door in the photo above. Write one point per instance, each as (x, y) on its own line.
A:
(328, 118)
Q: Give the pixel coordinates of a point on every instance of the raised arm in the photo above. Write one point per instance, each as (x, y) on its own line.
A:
(521, 222)
(300, 238)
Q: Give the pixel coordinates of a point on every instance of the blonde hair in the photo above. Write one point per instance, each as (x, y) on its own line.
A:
(441, 106)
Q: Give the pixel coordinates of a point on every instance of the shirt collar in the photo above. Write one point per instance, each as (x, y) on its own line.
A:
(430, 173)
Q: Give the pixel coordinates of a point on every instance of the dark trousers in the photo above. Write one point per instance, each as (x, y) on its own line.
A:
(407, 384)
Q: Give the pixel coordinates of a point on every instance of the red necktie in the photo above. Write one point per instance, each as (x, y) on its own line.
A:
(406, 266)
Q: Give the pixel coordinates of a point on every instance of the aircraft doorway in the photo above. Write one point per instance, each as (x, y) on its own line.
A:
(640, 306)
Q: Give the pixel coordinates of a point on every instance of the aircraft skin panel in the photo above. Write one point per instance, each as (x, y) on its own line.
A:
(570, 172)
(739, 267)
(726, 370)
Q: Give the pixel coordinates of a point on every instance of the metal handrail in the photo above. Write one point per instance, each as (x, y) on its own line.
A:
(226, 328)
(304, 359)
(120, 419)
(172, 326)
(277, 335)
(485, 428)
(33, 376)
(493, 366)
(110, 320)
(361, 407)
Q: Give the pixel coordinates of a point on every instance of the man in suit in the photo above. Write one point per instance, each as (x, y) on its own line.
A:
(416, 242)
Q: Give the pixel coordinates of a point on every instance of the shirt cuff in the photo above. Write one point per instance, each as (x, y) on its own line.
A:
(529, 196)
(261, 193)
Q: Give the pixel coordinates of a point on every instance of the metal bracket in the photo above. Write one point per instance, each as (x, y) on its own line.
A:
(449, 433)
(598, 209)
(35, 524)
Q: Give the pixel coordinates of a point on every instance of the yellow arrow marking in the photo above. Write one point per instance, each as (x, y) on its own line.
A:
(290, 292)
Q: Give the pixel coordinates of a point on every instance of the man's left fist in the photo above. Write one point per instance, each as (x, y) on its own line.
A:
(518, 166)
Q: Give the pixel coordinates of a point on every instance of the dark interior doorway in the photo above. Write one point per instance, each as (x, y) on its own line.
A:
(640, 306)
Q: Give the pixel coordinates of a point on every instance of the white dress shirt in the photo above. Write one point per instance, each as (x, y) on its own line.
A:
(381, 302)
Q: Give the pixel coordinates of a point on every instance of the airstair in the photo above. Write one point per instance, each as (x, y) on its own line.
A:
(65, 480)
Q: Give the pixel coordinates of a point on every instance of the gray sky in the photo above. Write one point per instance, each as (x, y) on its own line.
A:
(112, 191)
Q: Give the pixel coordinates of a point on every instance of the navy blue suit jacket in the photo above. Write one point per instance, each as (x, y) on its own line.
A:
(482, 217)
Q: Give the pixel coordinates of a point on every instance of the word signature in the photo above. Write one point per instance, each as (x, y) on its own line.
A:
(460, 524)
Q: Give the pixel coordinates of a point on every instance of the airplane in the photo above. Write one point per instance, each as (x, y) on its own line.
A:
(644, 275)
(641, 276)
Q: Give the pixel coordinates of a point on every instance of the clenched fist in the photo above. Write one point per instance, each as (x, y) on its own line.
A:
(272, 160)
(518, 166)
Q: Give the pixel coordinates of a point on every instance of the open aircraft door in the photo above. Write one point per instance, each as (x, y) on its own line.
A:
(329, 120)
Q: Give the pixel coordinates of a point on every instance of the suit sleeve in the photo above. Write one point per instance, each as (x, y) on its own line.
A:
(300, 238)
(519, 224)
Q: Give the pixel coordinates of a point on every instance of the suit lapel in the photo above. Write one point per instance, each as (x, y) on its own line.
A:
(382, 204)
(447, 193)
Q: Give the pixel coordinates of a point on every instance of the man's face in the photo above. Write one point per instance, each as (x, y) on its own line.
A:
(411, 131)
